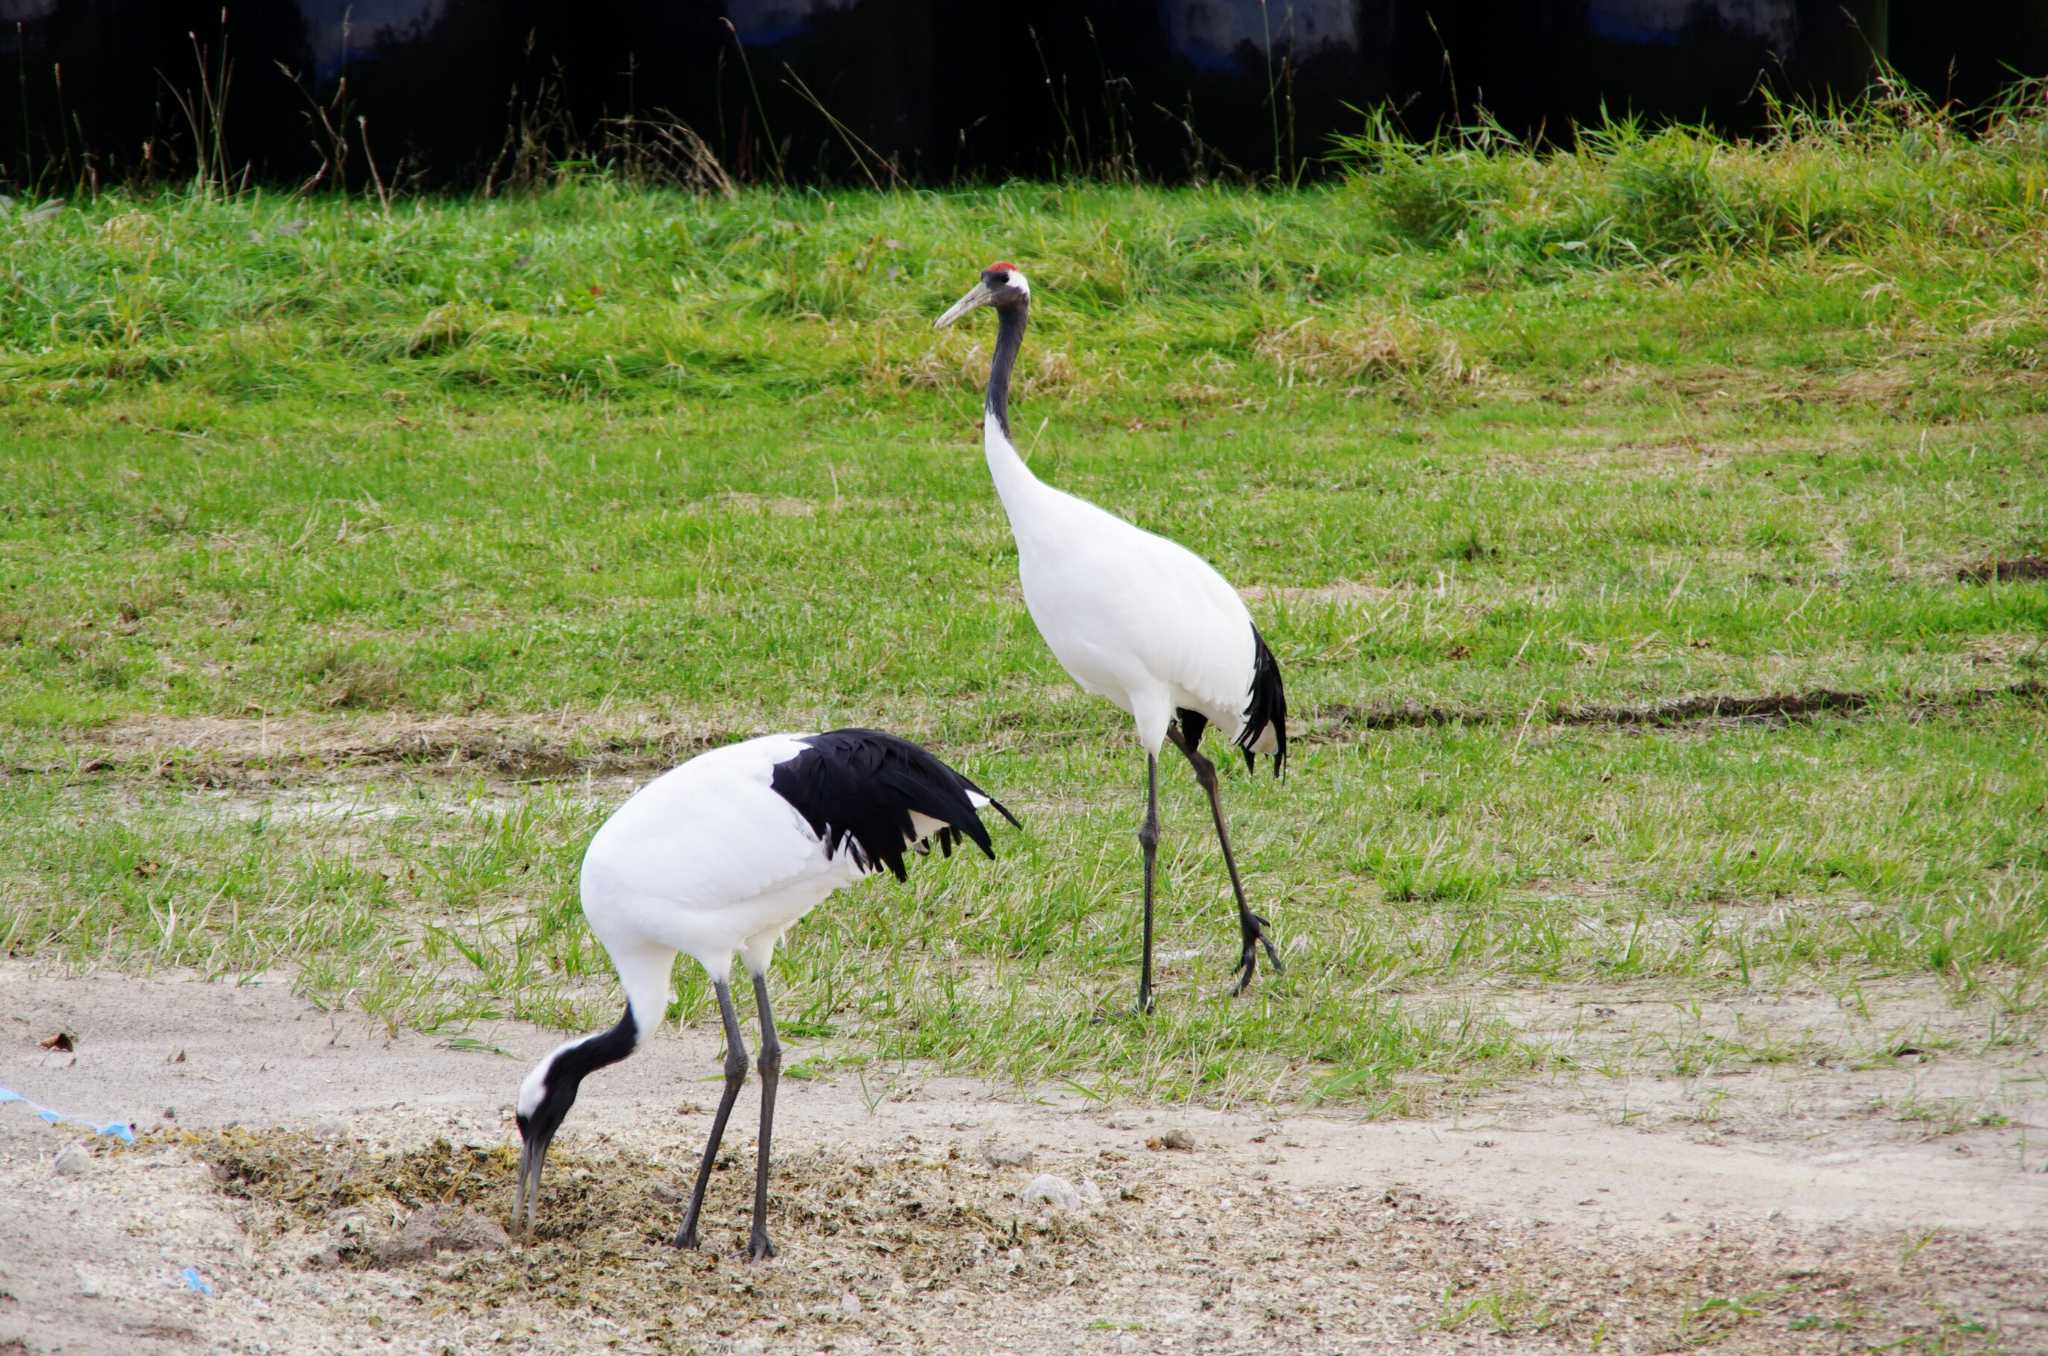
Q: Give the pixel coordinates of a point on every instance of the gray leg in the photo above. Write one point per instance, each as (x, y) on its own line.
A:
(758, 1246)
(735, 1074)
(1250, 925)
(1148, 839)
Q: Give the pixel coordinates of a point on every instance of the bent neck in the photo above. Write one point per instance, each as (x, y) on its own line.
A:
(573, 1063)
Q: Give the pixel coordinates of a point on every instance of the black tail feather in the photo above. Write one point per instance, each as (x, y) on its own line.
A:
(1267, 706)
(860, 786)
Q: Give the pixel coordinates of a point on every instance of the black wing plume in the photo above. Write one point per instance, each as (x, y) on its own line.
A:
(1268, 706)
(862, 785)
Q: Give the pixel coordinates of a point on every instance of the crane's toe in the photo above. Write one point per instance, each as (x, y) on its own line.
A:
(759, 1249)
(1255, 936)
(1247, 970)
(686, 1237)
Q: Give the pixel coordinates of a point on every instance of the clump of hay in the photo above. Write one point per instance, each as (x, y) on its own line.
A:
(1394, 353)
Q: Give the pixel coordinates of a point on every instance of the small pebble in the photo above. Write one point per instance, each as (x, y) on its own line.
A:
(997, 1154)
(72, 1161)
(436, 1229)
(1060, 1193)
(1053, 1191)
(88, 1286)
(849, 1304)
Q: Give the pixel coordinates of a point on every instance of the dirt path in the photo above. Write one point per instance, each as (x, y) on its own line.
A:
(246, 751)
(1560, 1215)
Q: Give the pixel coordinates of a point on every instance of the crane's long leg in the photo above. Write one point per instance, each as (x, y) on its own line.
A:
(758, 1246)
(1250, 925)
(735, 1074)
(1148, 839)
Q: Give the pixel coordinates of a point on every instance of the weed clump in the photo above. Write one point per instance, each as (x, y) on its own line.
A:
(1396, 353)
(349, 678)
(1892, 164)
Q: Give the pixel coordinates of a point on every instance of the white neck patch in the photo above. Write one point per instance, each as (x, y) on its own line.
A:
(535, 1085)
(1017, 281)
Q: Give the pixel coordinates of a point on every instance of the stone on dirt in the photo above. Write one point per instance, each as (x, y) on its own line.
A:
(440, 1228)
(72, 1161)
(1061, 1194)
(997, 1154)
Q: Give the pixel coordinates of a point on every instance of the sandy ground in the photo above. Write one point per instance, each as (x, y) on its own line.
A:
(1820, 1203)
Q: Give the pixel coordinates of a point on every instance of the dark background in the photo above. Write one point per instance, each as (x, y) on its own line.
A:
(460, 92)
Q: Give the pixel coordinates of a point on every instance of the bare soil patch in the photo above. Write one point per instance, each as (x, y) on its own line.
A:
(2005, 571)
(1340, 719)
(1874, 1069)
(222, 750)
(236, 752)
(1604, 451)
(283, 1144)
(1342, 591)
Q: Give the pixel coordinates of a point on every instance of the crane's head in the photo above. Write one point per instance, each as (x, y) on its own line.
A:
(1002, 286)
(547, 1093)
(544, 1099)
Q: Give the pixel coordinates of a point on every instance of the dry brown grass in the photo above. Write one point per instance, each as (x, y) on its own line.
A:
(950, 366)
(1378, 353)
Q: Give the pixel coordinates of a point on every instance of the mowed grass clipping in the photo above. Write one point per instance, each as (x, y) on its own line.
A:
(1644, 533)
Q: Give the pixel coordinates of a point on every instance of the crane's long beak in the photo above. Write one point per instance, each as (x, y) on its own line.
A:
(527, 1203)
(979, 297)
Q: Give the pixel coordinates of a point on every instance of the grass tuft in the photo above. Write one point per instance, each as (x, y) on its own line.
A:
(1839, 178)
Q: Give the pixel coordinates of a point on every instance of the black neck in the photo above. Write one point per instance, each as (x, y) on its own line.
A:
(586, 1057)
(1009, 338)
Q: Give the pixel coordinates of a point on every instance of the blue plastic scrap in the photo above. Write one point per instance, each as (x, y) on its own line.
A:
(195, 1281)
(120, 1130)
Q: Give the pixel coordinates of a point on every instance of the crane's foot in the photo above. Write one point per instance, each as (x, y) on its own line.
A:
(1255, 936)
(686, 1237)
(759, 1249)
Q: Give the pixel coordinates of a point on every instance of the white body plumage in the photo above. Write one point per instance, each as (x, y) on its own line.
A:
(706, 860)
(1130, 615)
(717, 858)
(709, 861)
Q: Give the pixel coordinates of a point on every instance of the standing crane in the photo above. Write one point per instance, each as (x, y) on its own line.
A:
(1135, 618)
(720, 857)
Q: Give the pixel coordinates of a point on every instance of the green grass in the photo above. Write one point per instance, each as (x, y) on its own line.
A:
(305, 500)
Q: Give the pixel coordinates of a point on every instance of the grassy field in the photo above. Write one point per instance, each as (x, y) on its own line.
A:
(1650, 535)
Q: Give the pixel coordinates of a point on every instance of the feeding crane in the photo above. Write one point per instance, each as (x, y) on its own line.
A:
(718, 857)
(1135, 618)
